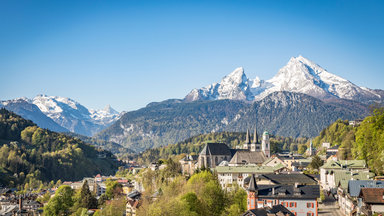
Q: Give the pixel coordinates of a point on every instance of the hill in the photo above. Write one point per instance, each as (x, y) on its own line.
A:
(33, 155)
(365, 141)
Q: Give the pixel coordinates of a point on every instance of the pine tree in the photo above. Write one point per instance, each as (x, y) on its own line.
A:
(87, 199)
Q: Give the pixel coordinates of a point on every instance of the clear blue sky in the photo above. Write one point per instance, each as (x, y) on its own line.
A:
(130, 53)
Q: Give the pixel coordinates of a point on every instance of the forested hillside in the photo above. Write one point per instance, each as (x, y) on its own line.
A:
(29, 154)
(365, 141)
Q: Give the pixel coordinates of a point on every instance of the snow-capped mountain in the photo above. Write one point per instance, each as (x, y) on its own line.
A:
(27, 110)
(299, 75)
(67, 113)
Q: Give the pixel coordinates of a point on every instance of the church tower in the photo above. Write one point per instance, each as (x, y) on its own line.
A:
(265, 145)
(252, 193)
(247, 140)
(255, 146)
(311, 150)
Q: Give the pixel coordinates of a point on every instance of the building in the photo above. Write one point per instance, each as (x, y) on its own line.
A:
(299, 199)
(276, 210)
(256, 146)
(332, 151)
(228, 176)
(251, 152)
(246, 157)
(348, 194)
(311, 150)
(373, 201)
(188, 164)
(327, 172)
(133, 203)
(213, 154)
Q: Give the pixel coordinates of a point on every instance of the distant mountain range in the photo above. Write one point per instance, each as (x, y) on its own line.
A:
(62, 114)
(300, 100)
(300, 75)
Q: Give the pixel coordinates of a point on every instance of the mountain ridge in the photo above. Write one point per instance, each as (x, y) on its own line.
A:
(299, 75)
(281, 113)
(62, 114)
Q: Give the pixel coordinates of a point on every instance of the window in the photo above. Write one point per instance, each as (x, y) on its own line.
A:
(292, 204)
(310, 214)
(310, 205)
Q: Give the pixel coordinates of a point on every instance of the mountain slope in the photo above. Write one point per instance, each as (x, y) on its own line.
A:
(62, 114)
(31, 112)
(281, 113)
(300, 75)
(31, 154)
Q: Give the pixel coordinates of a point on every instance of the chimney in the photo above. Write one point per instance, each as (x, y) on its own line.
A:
(273, 191)
(296, 184)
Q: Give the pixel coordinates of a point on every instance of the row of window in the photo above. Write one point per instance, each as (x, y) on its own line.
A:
(308, 213)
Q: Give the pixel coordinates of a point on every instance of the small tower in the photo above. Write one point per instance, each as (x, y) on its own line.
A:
(247, 140)
(252, 193)
(311, 150)
(265, 145)
(255, 146)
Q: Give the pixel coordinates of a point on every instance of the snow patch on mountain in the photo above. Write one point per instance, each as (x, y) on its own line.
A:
(66, 113)
(299, 75)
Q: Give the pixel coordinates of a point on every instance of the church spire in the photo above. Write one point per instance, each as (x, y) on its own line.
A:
(248, 138)
(252, 184)
(255, 137)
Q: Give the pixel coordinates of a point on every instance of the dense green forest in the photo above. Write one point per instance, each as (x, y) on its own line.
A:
(195, 144)
(365, 141)
(31, 155)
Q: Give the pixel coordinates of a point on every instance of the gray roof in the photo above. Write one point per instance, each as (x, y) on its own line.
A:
(291, 178)
(248, 157)
(267, 211)
(287, 179)
(216, 149)
(354, 186)
(289, 191)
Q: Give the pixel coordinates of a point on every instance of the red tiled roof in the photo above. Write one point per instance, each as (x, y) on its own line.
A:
(372, 195)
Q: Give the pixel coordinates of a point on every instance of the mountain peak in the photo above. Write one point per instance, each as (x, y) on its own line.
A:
(299, 75)
(236, 76)
(109, 109)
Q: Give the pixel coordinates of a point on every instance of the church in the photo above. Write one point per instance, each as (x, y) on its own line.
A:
(249, 153)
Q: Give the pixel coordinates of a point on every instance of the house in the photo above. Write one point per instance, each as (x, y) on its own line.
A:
(290, 159)
(327, 178)
(332, 151)
(276, 210)
(133, 203)
(228, 176)
(348, 196)
(188, 164)
(273, 161)
(373, 200)
(299, 199)
(326, 145)
(132, 206)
